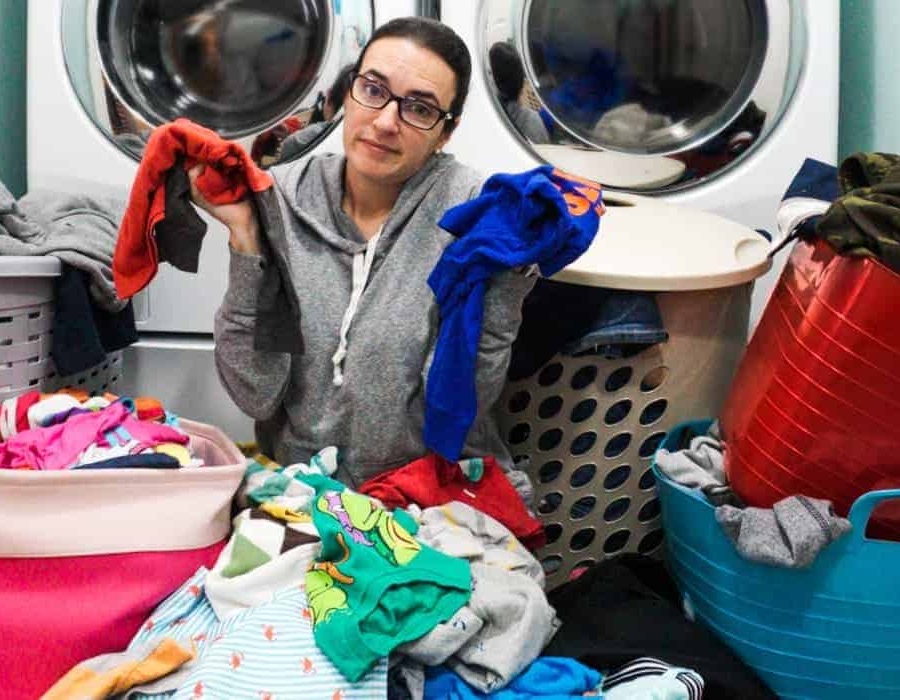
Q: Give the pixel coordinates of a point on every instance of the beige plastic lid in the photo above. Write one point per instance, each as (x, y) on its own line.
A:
(647, 244)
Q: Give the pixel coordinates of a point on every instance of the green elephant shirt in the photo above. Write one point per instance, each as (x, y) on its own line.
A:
(374, 586)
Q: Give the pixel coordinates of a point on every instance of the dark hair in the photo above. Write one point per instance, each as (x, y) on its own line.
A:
(506, 66)
(438, 38)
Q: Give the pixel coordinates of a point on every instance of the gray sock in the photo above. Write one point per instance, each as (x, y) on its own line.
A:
(700, 466)
(791, 534)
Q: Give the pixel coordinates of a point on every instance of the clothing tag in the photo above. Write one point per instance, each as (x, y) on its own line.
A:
(473, 468)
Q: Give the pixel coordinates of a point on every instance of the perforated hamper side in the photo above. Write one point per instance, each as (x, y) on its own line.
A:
(589, 427)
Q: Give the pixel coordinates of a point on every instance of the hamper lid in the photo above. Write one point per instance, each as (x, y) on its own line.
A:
(29, 266)
(647, 244)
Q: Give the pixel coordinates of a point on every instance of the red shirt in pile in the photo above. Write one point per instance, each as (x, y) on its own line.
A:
(434, 481)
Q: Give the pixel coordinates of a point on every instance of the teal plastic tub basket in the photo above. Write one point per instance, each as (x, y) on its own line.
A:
(829, 632)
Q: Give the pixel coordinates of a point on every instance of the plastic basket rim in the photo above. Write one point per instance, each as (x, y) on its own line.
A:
(12, 266)
(864, 503)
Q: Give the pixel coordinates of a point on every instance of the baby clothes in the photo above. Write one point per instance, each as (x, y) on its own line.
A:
(503, 629)
(259, 538)
(480, 483)
(651, 679)
(267, 651)
(278, 490)
(375, 586)
(264, 556)
(60, 446)
(110, 675)
(462, 531)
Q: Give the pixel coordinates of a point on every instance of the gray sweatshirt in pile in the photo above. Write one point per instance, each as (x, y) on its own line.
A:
(359, 383)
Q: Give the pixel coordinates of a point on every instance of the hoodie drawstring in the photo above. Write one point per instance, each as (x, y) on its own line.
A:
(362, 266)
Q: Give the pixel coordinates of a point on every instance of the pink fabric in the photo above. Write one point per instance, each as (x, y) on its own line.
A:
(57, 612)
(58, 446)
(150, 434)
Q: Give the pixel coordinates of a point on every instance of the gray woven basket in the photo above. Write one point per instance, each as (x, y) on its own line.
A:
(26, 332)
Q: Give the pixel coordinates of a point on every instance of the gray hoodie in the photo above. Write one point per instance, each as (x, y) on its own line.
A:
(370, 403)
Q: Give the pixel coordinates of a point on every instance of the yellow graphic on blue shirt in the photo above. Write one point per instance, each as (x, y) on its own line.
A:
(364, 524)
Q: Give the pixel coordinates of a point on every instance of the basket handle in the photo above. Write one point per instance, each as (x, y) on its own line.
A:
(862, 508)
(791, 214)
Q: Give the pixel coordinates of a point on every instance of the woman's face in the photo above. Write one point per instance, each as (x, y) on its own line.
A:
(380, 146)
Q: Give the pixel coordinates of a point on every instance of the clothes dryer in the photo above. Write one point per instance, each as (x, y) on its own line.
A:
(704, 103)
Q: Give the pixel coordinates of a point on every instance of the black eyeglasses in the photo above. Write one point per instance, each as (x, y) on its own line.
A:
(417, 113)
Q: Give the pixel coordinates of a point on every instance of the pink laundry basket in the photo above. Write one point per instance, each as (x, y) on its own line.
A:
(86, 555)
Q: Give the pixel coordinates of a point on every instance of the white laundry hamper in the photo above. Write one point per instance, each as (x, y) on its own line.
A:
(587, 427)
(26, 332)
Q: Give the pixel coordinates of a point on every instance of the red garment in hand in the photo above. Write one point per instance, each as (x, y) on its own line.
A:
(434, 481)
(229, 176)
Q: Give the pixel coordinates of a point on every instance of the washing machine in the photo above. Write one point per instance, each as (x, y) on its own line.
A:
(707, 103)
(712, 104)
(103, 73)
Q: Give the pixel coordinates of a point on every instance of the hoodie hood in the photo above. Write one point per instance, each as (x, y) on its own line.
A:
(314, 192)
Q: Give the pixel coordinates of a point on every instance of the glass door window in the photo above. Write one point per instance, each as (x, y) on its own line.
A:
(648, 95)
(256, 71)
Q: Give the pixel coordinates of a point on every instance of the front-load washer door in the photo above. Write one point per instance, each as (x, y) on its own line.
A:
(642, 95)
(270, 74)
(256, 71)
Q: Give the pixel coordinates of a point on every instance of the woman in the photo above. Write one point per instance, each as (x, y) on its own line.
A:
(362, 238)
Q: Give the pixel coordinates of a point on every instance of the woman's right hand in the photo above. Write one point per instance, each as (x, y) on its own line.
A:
(239, 217)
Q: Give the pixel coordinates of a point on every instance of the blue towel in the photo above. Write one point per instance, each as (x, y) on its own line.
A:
(548, 678)
(538, 217)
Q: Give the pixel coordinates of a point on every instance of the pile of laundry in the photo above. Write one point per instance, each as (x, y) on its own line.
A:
(790, 534)
(71, 430)
(416, 585)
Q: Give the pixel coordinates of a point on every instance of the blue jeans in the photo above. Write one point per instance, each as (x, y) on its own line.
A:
(624, 319)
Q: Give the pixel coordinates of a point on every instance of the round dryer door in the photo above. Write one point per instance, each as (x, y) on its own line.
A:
(268, 73)
(642, 95)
